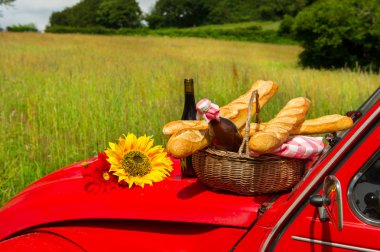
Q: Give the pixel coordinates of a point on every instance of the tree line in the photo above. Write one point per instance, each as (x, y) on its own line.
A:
(107, 13)
(187, 13)
(174, 13)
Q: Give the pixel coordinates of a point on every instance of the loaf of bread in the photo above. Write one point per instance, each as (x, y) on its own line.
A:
(323, 124)
(277, 130)
(176, 126)
(320, 125)
(186, 140)
(236, 111)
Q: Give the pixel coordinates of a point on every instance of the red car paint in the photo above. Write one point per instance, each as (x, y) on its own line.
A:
(38, 241)
(61, 197)
(180, 214)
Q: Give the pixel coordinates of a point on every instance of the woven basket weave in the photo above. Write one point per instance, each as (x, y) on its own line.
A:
(226, 170)
(242, 174)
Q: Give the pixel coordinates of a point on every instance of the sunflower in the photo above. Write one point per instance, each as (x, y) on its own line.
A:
(135, 161)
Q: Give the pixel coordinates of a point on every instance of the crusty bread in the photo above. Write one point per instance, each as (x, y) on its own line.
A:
(320, 125)
(324, 124)
(253, 128)
(278, 129)
(175, 126)
(187, 140)
(236, 111)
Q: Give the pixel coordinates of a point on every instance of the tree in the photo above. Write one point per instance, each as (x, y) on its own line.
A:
(286, 26)
(275, 10)
(339, 33)
(186, 13)
(83, 14)
(178, 13)
(119, 14)
(231, 11)
(60, 18)
(6, 1)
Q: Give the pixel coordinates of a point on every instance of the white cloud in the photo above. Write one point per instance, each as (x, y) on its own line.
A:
(39, 11)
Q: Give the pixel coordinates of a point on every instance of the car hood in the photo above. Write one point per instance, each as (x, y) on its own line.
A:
(61, 196)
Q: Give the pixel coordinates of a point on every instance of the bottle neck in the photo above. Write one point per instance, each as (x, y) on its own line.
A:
(189, 88)
(189, 92)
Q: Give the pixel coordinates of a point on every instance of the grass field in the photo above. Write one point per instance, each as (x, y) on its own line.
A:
(64, 97)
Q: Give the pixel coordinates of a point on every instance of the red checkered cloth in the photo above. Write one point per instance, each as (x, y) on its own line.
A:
(303, 147)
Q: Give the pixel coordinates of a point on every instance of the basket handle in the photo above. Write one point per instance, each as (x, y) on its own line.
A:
(244, 144)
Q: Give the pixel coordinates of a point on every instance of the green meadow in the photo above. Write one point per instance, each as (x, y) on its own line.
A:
(64, 97)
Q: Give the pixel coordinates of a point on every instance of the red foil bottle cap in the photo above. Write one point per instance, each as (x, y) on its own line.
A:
(208, 109)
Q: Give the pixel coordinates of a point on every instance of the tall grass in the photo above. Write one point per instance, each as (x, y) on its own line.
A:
(64, 97)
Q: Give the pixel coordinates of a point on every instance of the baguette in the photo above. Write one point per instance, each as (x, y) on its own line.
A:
(176, 126)
(320, 125)
(324, 124)
(278, 129)
(187, 140)
(236, 111)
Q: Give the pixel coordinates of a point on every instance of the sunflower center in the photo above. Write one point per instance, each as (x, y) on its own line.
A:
(136, 163)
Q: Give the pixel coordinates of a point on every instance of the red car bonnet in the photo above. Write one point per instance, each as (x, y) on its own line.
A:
(61, 196)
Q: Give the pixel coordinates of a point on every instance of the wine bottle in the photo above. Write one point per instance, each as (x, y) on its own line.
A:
(189, 113)
(223, 133)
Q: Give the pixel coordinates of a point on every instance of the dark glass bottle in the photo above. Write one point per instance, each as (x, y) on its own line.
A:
(189, 113)
(225, 135)
(222, 132)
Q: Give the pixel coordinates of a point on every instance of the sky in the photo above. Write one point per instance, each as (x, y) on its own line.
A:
(39, 11)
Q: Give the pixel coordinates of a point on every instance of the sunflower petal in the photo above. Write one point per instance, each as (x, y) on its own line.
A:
(112, 145)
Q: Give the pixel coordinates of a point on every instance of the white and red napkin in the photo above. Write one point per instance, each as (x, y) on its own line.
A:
(303, 147)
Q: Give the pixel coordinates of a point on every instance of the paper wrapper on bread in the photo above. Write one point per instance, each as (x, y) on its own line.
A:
(320, 125)
(277, 130)
(236, 111)
(187, 140)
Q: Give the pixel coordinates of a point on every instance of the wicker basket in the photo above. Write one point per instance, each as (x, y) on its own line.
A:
(242, 174)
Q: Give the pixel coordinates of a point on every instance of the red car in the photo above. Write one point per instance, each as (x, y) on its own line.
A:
(335, 207)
